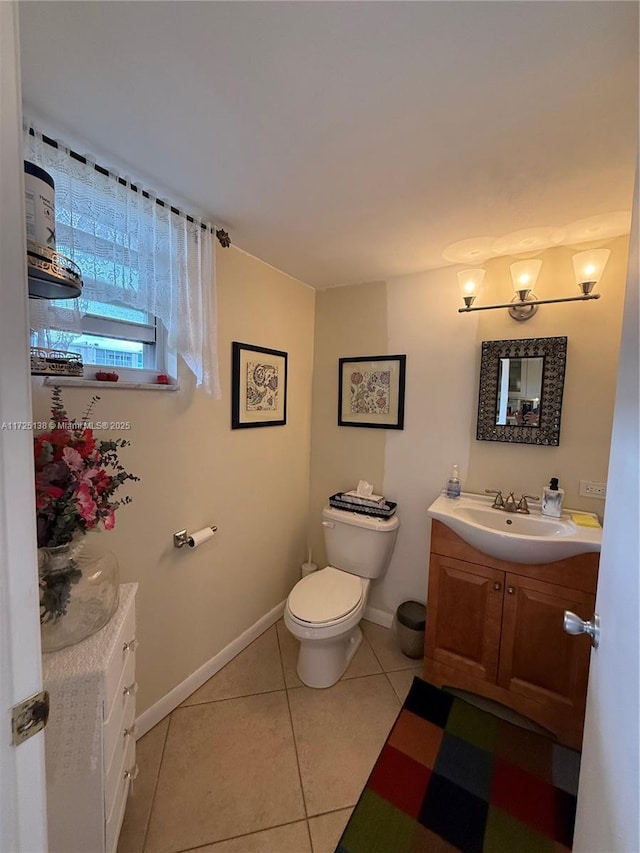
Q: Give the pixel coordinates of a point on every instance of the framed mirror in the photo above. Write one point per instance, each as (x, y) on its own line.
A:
(520, 394)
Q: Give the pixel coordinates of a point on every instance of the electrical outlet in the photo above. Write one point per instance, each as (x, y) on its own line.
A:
(588, 489)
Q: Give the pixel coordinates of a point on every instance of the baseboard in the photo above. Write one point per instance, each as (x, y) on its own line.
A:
(152, 716)
(380, 617)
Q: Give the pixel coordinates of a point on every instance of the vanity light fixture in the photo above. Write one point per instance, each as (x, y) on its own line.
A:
(588, 268)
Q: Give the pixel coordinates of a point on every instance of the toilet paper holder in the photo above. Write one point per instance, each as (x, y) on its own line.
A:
(181, 537)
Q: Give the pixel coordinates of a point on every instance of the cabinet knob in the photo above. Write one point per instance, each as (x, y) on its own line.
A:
(510, 590)
(130, 690)
(131, 646)
(131, 730)
(497, 586)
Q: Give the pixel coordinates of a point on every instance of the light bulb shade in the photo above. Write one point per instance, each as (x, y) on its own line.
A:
(470, 282)
(588, 266)
(524, 274)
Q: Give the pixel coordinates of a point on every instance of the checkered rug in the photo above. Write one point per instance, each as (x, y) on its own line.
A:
(454, 778)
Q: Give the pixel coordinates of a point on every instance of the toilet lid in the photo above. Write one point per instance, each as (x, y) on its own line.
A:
(325, 595)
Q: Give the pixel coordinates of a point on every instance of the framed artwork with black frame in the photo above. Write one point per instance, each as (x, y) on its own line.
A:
(258, 386)
(371, 391)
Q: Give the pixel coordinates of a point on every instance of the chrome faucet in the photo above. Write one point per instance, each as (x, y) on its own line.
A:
(510, 505)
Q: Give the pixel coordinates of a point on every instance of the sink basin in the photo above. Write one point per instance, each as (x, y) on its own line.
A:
(519, 538)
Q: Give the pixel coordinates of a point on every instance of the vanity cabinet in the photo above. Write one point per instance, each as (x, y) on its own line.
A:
(496, 629)
(90, 736)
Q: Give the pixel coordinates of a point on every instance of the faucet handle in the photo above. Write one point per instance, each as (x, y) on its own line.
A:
(498, 502)
(523, 506)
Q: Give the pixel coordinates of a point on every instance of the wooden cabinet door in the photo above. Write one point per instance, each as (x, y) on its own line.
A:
(537, 658)
(463, 616)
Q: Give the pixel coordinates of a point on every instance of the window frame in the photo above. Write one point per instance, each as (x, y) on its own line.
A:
(157, 358)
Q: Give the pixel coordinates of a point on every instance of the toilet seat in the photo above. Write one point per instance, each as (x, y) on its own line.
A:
(325, 596)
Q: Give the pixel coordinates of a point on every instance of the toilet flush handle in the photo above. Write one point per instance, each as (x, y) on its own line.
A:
(328, 524)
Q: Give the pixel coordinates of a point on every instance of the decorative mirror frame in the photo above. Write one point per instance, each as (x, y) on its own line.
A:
(554, 353)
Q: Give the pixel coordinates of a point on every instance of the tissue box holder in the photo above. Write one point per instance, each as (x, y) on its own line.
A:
(379, 511)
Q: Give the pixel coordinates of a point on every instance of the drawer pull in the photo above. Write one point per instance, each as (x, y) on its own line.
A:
(131, 646)
(130, 731)
(131, 775)
(130, 690)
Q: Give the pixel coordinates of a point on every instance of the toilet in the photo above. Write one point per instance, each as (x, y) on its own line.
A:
(324, 609)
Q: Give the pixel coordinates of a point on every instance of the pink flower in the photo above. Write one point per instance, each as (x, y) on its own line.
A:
(86, 505)
(73, 459)
(110, 519)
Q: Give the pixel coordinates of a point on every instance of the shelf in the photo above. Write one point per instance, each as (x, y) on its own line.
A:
(51, 275)
(74, 382)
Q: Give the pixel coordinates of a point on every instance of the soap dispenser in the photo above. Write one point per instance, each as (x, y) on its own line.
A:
(552, 498)
(453, 484)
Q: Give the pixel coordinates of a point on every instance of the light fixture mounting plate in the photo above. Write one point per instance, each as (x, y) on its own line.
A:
(521, 309)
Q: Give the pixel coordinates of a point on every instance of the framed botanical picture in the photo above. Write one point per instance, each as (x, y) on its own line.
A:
(258, 386)
(371, 391)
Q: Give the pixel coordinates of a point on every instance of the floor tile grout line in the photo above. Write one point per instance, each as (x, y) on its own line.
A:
(182, 705)
(386, 675)
(293, 732)
(155, 787)
(244, 835)
(375, 654)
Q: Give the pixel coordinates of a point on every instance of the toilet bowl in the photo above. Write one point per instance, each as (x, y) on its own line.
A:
(323, 612)
(324, 609)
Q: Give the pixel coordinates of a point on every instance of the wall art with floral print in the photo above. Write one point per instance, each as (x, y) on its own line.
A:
(258, 386)
(371, 391)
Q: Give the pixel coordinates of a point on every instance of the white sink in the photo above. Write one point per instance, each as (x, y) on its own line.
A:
(517, 537)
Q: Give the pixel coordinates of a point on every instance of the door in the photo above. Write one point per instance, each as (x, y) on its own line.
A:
(537, 659)
(609, 792)
(22, 785)
(465, 611)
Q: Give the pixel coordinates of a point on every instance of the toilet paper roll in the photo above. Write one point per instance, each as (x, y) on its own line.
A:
(200, 536)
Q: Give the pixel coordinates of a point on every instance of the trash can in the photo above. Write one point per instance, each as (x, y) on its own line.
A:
(410, 621)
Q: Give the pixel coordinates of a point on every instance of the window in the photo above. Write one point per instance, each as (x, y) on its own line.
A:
(112, 336)
(147, 268)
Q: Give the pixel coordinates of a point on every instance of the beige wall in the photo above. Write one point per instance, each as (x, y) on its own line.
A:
(252, 483)
(593, 332)
(443, 362)
(439, 413)
(350, 321)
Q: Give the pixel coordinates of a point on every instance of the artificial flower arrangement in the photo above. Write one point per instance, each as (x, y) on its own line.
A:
(76, 481)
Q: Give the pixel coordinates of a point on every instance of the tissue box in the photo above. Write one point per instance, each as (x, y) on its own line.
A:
(386, 510)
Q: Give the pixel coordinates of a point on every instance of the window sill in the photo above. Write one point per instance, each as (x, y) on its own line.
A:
(76, 382)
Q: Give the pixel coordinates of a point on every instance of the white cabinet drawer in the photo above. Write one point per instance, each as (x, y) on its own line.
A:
(120, 744)
(113, 727)
(115, 816)
(118, 660)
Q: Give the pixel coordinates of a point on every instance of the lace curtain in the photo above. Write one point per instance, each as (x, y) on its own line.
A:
(132, 252)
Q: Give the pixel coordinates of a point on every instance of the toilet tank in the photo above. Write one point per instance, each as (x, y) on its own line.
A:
(359, 544)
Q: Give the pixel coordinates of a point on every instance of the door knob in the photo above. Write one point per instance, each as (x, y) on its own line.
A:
(573, 624)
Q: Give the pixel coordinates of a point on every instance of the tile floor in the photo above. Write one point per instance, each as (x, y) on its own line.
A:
(255, 762)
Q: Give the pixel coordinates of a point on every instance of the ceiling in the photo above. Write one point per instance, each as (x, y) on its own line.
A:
(345, 142)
